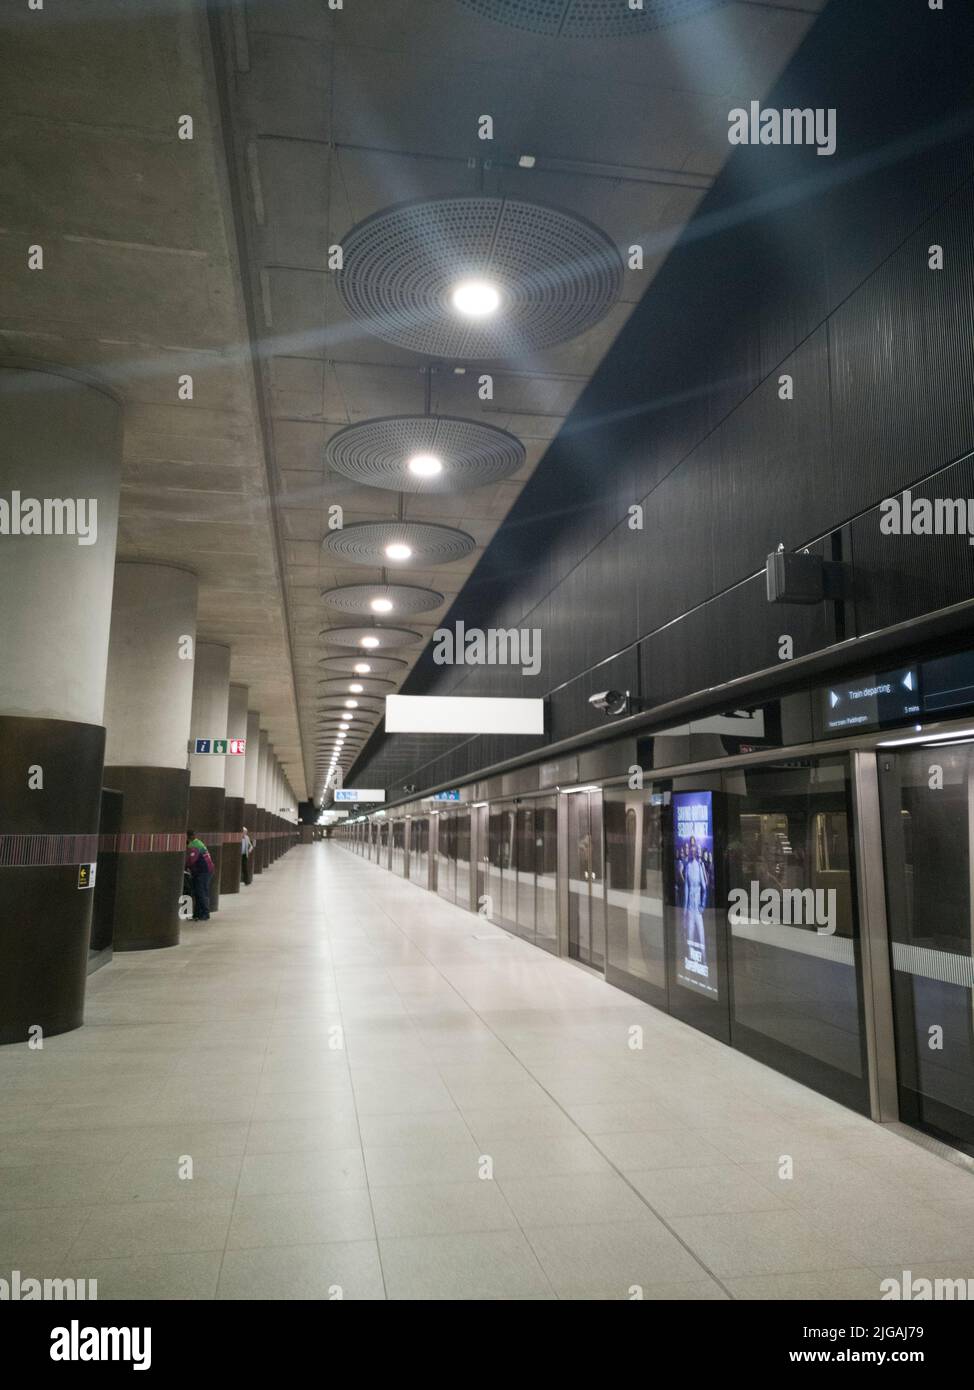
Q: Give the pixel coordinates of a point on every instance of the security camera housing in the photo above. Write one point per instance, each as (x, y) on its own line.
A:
(610, 702)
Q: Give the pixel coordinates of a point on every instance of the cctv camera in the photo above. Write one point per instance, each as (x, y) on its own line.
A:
(610, 701)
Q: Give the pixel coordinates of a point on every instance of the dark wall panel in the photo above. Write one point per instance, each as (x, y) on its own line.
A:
(794, 263)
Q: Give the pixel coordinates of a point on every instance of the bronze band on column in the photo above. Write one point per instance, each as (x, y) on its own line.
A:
(206, 818)
(233, 824)
(150, 880)
(48, 843)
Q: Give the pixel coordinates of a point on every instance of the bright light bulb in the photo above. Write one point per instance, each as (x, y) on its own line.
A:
(362, 668)
(351, 704)
(398, 551)
(355, 688)
(381, 605)
(476, 299)
(370, 642)
(425, 465)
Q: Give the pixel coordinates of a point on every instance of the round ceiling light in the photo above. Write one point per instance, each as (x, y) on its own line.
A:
(589, 19)
(398, 550)
(367, 685)
(334, 664)
(381, 453)
(554, 275)
(366, 542)
(382, 598)
(370, 638)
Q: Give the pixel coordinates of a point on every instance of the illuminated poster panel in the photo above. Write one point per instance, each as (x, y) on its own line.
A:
(696, 891)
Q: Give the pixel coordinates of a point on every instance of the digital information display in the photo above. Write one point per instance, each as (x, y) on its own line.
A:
(347, 794)
(871, 701)
(693, 846)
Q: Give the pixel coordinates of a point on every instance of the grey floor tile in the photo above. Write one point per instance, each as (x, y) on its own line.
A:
(440, 1208)
(158, 1228)
(338, 1214)
(613, 1259)
(567, 1199)
(492, 1265)
(334, 1272)
(157, 1277)
(308, 1170)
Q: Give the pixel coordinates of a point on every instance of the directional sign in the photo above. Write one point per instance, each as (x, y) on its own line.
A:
(446, 796)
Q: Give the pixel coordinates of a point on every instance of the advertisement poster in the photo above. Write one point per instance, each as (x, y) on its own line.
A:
(694, 881)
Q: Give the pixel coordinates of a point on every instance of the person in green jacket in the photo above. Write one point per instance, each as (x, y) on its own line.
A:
(199, 866)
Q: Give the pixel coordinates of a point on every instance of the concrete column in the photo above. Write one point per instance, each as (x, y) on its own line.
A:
(207, 771)
(148, 700)
(262, 847)
(60, 462)
(233, 811)
(250, 780)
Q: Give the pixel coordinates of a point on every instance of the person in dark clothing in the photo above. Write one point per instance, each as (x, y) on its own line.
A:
(199, 865)
(246, 857)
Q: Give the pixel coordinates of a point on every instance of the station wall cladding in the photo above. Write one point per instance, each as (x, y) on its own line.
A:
(816, 267)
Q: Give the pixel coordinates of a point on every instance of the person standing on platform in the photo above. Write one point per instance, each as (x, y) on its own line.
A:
(246, 863)
(200, 868)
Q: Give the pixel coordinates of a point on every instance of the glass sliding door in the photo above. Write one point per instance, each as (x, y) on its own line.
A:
(927, 799)
(419, 835)
(524, 870)
(397, 861)
(586, 904)
(480, 850)
(446, 857)
(546, 873)
(634, 897)
(501, 873)
(794, 939)
(461, 849)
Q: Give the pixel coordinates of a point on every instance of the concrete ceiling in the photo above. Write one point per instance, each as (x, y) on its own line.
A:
(210, 257)
(141, 284)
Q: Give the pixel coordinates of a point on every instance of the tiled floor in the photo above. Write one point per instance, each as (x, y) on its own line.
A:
(383, 1096)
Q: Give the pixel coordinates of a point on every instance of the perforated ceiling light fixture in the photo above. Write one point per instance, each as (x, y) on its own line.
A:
(589, 19)
(368, 543)
(334, 664)
(398, 452)
(401, 599)
(481, 277)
